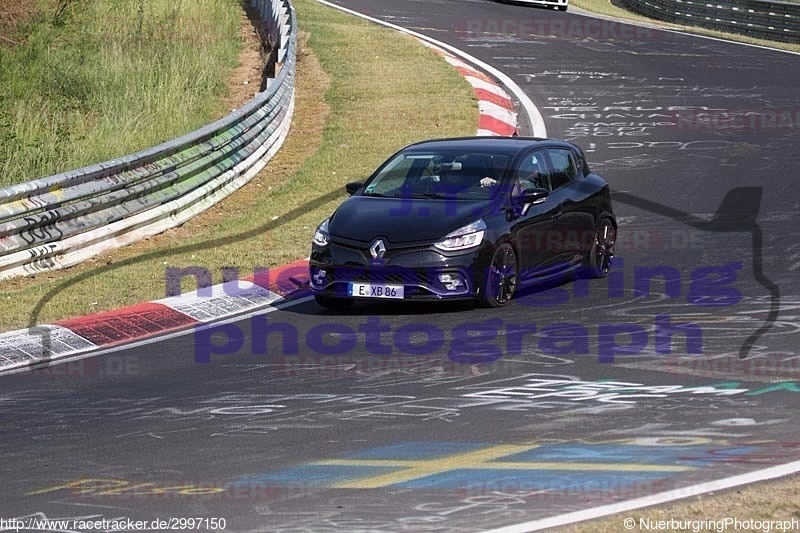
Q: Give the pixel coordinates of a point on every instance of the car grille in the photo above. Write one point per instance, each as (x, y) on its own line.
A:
(392, 251)
(398, 276)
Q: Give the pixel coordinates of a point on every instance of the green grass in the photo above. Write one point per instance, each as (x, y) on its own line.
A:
(104, 79)
(608, 9)
(372, 91)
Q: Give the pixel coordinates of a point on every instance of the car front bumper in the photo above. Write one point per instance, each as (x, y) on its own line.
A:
(422, 271)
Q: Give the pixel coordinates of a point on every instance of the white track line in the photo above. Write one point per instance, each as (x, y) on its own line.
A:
(534, 116)
(654, 499)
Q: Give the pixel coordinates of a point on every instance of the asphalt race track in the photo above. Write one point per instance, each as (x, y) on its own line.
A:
(681, 368)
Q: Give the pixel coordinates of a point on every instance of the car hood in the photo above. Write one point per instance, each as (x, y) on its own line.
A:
(402, 220)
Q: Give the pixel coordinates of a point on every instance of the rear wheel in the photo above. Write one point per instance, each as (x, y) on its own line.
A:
(598, 259)
(334, 304)
(562, 8)
(500, 281)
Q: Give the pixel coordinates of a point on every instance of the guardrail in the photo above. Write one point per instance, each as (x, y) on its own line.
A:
(61, 220)
(777, 21)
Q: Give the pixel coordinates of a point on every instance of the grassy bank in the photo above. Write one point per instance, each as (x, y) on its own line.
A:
(363, 92)
(84, 82)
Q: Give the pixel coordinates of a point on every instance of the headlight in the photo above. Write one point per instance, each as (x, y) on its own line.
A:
(464, 238)
(321, 236)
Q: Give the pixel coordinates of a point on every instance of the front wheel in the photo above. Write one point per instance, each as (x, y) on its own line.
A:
(333, 304)
(562, 8)
(597, 262)
(500, 280)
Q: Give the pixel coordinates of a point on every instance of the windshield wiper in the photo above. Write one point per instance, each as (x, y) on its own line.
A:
(435, 195)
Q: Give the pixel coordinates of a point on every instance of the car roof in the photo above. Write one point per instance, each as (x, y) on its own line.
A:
(506, 145)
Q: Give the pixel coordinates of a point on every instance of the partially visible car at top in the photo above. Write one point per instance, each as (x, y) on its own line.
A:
(561, 5)
(471, 218)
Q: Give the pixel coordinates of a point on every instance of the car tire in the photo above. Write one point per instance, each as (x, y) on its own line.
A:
(597, 261)
(333, 304)
(562, 8)
(501, 278)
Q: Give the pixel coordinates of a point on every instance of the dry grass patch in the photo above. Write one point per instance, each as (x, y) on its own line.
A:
(773, 500)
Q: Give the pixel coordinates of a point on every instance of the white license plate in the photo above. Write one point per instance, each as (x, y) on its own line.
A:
(375, 290)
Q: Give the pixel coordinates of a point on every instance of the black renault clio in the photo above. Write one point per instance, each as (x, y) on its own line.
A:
(469, 218)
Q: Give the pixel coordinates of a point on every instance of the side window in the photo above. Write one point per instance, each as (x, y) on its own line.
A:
(580, 162)
(532, 172)
(565, 168)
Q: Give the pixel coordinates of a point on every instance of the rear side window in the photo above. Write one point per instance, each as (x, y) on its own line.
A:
(565, 168)
(580, 161)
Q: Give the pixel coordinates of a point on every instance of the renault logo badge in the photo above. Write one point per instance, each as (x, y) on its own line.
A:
(378, 249)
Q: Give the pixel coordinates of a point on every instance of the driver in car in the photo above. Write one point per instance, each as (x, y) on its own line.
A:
(529, 168)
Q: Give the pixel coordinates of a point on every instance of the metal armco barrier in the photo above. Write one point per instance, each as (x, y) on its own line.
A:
(61, 220)
(777, 21)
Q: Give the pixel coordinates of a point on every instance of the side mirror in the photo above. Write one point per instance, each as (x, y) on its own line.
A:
(353, 187)
(534, 196)
(527, 198)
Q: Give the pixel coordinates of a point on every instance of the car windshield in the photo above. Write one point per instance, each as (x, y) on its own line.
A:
(440, 174)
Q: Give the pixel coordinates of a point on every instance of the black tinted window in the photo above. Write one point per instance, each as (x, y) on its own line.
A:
(564, 167)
